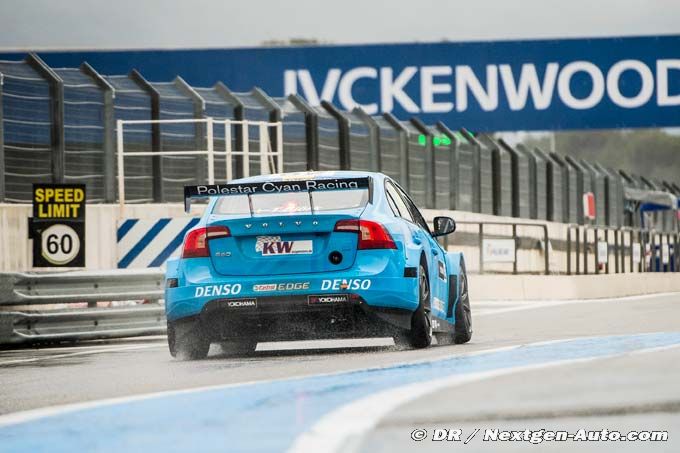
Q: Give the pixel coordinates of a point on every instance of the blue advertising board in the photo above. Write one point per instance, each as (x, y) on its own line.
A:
(484, 86)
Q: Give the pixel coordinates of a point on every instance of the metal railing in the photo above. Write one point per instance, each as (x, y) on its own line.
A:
(633, 250)
(271, 160)
(522, 242)
(31, 311)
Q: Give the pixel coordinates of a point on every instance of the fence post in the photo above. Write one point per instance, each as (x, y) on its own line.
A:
(156, 162)
(245, 169)
(631, 245)
(227, 144)
(199, 128)
(597, 252)
(121, 163)
(585, 250)
(546, 255)
(109, 126)
(578, 250)
(569, 249)
(652, 262)
(279, 147)
(2, 149)
(514, 238)
(211, 155)
(264, 147)
(57, 114)
(481, 247)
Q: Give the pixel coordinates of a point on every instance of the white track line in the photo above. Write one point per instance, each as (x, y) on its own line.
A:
(345, 428)
(33, 414)
(91, 350)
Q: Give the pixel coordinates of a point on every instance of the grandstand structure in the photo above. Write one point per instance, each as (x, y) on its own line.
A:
(59, 125)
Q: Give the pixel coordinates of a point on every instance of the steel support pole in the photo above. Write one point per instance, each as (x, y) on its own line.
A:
(56, 115)
(546, 254)
(2, 147)
(211, 151)
(514, 238)
(481, 248)
(121, 163)
(569, 250)
(227, 144)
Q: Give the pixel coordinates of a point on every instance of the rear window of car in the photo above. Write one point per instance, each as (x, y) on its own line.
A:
(291, 203)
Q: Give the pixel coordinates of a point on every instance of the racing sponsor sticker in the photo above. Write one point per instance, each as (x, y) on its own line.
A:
(227, 289)
(240, 303)
(343, 283)
(438, 304)
(291, 286)
(273, 245)
(442, 271)
(327, 299)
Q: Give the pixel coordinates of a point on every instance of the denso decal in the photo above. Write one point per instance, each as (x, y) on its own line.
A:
(342, 283)
(227, 289)
(273, 245)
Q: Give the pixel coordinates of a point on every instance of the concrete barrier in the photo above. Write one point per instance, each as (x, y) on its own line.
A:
(568, 287)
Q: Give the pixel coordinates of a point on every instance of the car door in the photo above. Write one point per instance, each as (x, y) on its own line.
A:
(435, 255)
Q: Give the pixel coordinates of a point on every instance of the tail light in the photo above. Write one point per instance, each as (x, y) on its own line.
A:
(196, 242)
(372, 235)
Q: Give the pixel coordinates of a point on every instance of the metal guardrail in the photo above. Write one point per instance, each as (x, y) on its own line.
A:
(482, 234)
(653, 248)
(49, 324)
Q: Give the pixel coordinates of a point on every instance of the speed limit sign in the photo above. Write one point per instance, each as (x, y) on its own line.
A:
(58, 225)
(60, 244)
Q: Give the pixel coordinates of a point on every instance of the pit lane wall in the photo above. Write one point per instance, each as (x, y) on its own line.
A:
(570, 287)
(104, 247)
(102, 221)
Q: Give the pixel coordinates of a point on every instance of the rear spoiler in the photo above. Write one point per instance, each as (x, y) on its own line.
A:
(291, 185)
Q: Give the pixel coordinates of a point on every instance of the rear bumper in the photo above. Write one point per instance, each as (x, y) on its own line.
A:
(294, 318)
(376, 281)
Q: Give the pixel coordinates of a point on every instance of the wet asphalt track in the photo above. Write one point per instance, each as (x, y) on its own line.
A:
(594, 383)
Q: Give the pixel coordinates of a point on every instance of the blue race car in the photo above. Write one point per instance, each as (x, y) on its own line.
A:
(313, 255)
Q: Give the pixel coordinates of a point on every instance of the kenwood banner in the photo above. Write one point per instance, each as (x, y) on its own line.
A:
(484, 86)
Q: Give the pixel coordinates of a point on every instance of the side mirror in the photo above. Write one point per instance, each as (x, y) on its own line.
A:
(443, 226)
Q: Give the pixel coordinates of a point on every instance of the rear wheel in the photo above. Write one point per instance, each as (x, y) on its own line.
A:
(420, 335)
(187, 341)
(463, 327)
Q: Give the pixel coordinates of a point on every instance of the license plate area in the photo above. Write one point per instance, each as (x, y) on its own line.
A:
(277, 246)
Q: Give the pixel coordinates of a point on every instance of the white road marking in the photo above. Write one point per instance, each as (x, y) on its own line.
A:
(88, 351)
(344, 428)
(33, 414)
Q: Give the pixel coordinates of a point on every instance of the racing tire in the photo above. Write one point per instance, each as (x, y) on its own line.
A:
(186, 341)
(463, 328)
(420, 335)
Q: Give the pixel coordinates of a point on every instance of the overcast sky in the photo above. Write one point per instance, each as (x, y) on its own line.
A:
(127, 24)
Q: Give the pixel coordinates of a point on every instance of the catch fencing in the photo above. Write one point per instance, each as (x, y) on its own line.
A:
(60, 125)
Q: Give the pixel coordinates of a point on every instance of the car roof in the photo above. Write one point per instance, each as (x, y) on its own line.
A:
(311, 175)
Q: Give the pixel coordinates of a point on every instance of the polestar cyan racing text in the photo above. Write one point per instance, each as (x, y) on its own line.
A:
(309, 256)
